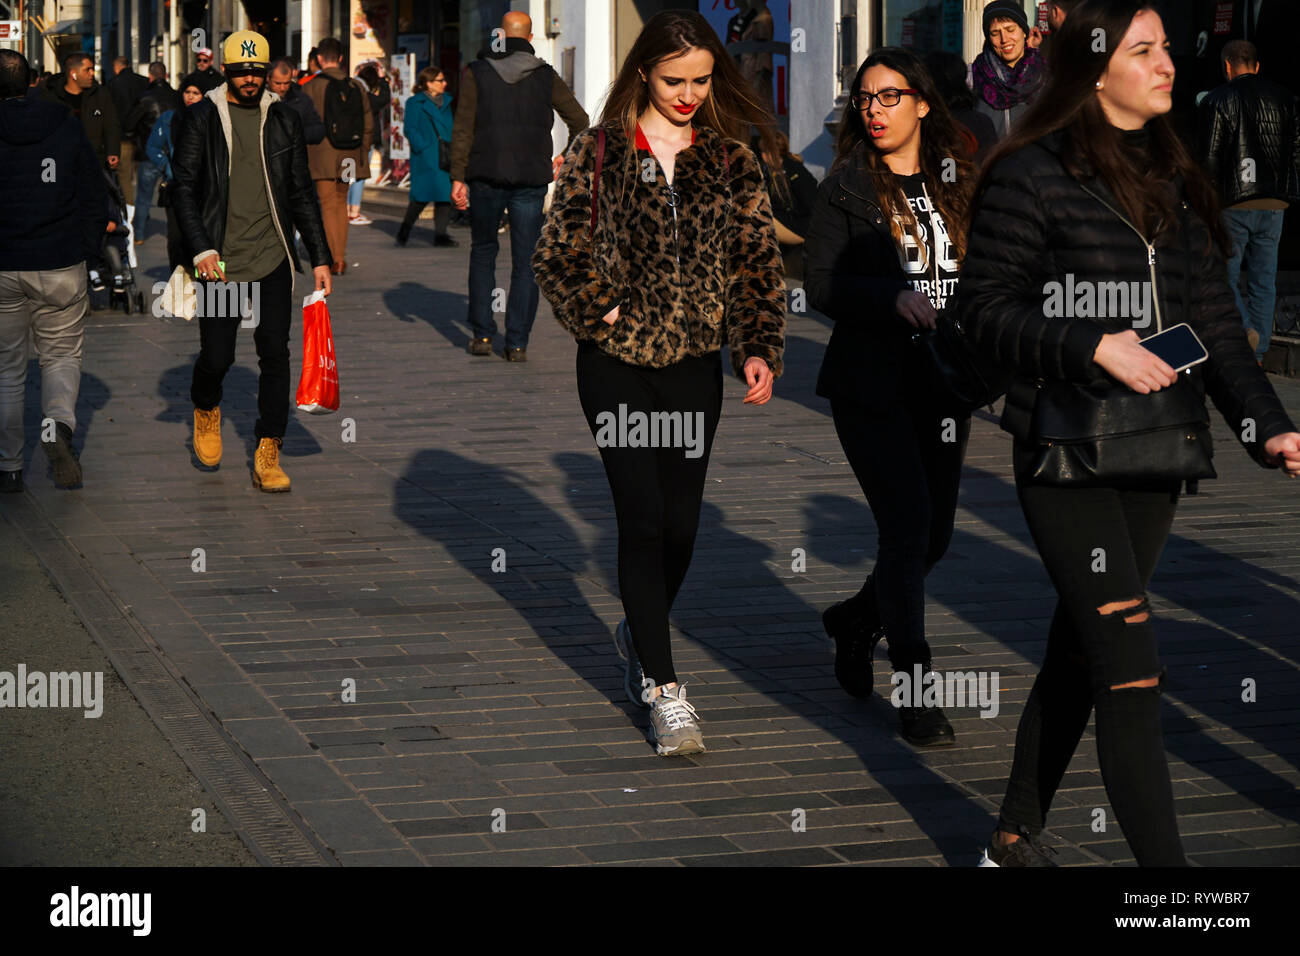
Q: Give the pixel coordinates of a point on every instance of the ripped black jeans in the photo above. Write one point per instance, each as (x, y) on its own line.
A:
(1100, 546)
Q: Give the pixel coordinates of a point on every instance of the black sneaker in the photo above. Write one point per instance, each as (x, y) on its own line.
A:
(67, 467)
(96, 281)
(926, 727)
(479, 346)
(11, 482)
(1023, 852)
(401, 239)
(445, 241)
(516, 355)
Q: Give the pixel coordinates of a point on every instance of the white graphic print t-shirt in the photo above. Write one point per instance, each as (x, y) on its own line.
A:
(932, 272)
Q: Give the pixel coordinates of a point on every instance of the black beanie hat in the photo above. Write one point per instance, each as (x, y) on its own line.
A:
(1005, 9)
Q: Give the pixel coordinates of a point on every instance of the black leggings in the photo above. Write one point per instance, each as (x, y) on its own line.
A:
(657, 491)
(1100, 546)
(908, 462)
(441, 217)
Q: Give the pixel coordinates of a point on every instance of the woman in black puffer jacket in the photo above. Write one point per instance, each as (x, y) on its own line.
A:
(1090, 225)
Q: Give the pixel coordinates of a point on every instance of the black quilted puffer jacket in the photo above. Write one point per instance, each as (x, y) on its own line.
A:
(1035, 224)
(1252, 119)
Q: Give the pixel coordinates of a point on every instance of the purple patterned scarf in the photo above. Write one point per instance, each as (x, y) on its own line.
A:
(1001, 87)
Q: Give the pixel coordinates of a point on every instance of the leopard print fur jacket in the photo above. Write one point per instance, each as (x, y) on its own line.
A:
(722, 280)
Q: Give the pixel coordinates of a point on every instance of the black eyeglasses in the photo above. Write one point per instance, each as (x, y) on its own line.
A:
(887, 97)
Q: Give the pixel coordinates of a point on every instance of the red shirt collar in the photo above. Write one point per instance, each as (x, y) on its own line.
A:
(643, 143)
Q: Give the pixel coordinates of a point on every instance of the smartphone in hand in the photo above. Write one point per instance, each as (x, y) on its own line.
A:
(1178, 347)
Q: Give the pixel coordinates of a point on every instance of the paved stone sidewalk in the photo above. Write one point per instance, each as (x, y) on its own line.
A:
(485, 697)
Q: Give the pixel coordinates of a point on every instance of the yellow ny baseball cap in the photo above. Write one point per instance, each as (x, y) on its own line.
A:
(245, 52)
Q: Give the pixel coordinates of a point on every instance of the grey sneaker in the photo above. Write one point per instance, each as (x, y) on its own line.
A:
(633, 675)
(676, 731)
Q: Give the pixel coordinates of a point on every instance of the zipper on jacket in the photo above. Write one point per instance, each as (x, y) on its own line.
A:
(674, 198)
(270, 195)
(1151, 254)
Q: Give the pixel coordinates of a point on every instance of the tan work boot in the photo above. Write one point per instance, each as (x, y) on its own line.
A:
(207, 436)
(267, 473)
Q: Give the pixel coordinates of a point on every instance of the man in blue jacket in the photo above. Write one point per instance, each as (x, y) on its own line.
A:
(55, 216)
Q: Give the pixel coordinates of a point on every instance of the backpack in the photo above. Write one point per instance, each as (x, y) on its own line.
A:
(345, 114)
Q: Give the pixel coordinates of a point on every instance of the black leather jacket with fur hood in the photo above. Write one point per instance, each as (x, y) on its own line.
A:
(683, 289)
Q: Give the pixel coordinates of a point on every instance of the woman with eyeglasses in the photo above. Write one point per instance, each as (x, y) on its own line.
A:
(881, 259)
(1095, 190)
(658, 249)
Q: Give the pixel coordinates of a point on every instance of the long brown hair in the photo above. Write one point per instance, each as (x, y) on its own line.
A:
(732, 106)
(944, 157)
(1091, 145)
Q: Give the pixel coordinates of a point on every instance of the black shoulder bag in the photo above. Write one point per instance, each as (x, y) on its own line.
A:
(1097, 435)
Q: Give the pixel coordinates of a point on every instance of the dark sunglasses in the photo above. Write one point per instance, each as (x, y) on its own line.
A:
(887, 97)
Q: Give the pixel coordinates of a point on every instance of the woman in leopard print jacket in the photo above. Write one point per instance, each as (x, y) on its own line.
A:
(658, 249)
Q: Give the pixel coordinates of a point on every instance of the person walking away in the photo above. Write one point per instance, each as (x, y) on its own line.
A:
(242, 183)
(1248, 133)
(340, 159)
(668, 271)
(51, 227)
(501, 161)
(280, 81)
(378, 96)
(159, 98)
(126, 87)
(428, 125)
(159, 148)
(949, 75)
(1094, 188)
(882, 259)
(1008, 74)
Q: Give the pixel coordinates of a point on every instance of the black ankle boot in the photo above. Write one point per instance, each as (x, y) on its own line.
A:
(926, 727)
(854, 626)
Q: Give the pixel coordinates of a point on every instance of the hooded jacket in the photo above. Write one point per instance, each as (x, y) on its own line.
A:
(52, 191)
(99, 117)
(721, 283)
(1034, 225)
(502, 133)
(201, 178)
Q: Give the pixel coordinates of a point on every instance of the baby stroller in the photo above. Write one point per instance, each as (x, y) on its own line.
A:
(115, 266)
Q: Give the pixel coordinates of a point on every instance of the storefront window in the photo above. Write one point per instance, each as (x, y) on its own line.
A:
(923, 25)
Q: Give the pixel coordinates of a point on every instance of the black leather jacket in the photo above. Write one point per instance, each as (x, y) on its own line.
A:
(1254, 119)
(200, 187)
(1035, 224)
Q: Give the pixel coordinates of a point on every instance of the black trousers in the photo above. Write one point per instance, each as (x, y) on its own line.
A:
(908, 461)
(1100, 546)
(441, 217)
(657, 491)
(217, 335)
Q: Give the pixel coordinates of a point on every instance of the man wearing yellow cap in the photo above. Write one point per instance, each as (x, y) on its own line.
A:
(242, 185)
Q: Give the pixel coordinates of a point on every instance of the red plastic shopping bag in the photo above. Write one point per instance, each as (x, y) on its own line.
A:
(318, 388)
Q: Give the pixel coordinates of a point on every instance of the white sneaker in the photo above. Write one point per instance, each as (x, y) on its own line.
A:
(675, 727)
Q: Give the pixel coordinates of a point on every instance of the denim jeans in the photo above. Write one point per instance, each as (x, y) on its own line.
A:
(51, 306)
(149, 176)
(1255, 236)
(485, 205)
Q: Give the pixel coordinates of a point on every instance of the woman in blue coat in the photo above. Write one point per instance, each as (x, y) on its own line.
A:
(429, 120)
